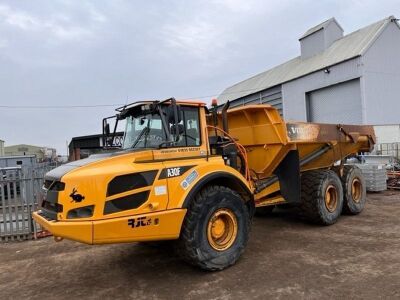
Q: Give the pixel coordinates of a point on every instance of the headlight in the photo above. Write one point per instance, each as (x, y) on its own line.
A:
(81, 212)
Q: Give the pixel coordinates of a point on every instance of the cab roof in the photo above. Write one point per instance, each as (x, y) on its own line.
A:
(144, 102)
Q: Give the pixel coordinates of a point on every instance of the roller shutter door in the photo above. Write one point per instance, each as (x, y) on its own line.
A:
(340, 103)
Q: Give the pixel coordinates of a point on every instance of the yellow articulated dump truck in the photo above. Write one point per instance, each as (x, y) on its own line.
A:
(197, 175)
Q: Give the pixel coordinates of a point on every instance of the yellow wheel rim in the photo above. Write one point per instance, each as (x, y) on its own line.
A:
(222, 229)
(356, 190)
(331, 198)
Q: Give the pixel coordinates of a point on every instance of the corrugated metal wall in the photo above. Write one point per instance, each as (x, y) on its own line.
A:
(272, 96)
(332, 33)
(381, 79)
(312, 44)
(340, 103)
(386, 134)
(294, 92)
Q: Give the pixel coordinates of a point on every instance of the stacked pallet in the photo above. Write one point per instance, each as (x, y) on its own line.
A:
(375, 176)
(393, 180)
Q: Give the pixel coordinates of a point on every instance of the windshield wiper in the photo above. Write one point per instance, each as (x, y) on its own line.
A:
(145, 130)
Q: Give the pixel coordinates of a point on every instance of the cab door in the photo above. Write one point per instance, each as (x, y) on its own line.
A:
(181, 158)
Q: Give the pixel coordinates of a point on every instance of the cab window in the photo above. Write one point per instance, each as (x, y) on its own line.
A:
(189, 127)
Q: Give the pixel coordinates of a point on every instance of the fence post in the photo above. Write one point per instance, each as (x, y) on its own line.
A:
(3, 229)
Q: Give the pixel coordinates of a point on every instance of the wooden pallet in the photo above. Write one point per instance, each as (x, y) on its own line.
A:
(15, 237)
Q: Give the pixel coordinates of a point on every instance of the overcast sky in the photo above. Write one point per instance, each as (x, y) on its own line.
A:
(109, 52)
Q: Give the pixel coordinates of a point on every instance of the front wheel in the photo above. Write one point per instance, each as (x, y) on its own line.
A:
(215, 230)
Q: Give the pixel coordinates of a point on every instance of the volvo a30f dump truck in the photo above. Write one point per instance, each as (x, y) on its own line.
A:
(196, 175)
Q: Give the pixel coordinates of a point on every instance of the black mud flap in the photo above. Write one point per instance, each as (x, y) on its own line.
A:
(288, 173)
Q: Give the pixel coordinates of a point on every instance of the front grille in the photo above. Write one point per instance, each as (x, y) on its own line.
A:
(48, 216)
(54, 207)
(50, 210)
(50, 206)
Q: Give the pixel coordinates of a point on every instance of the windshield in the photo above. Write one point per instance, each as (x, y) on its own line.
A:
(143, 131)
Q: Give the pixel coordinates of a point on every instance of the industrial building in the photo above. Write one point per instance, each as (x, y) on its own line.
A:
(42, 153)
(17, 161)
(1, 148)
(337, 78)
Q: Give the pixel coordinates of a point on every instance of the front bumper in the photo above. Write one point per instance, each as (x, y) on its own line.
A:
(165, 225)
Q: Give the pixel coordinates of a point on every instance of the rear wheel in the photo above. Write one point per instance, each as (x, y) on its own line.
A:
(215, 230)
(321, 196)
(354, 190)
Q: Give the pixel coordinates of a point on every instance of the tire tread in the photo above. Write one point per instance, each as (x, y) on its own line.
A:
(311, 192)
(187, 247)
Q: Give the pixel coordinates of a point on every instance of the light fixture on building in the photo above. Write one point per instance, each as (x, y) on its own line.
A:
(327, 70)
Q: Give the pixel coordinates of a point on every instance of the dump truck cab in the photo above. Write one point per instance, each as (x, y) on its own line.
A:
(195, 175)
(140, 191)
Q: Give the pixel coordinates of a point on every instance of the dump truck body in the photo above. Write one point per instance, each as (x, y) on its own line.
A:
(184, 176)
(268, 140)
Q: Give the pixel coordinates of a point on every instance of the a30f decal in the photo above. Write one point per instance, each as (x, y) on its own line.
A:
(173, 172)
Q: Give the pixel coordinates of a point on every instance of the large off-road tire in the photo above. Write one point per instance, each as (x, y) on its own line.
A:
(215, 230)
(264, 211)
(321, 196)
(354, 190)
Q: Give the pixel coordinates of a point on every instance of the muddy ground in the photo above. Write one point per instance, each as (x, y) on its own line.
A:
(359, 257)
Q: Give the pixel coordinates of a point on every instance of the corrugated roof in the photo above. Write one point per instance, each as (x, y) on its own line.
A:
(345, 48)
(319, 27)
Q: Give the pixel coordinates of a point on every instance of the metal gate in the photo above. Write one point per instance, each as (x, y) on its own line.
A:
(392, 149)
(20, 190)
(340, 103)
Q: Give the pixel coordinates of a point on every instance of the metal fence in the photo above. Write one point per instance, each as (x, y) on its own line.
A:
(392, 149)
(20, 192)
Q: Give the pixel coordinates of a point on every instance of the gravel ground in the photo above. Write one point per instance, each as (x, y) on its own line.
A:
(359, 257)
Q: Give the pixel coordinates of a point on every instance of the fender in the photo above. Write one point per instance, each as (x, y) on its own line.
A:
(220, 178)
